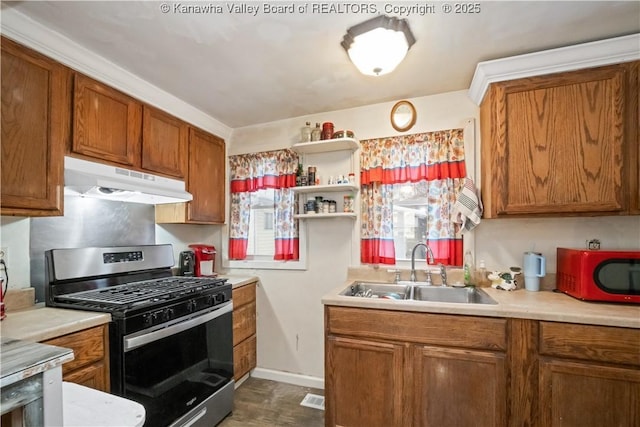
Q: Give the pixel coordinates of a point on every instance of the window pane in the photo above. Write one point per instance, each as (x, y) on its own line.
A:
(261, 232)
(409, 220)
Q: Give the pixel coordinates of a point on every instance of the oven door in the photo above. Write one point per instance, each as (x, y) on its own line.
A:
(182, 373)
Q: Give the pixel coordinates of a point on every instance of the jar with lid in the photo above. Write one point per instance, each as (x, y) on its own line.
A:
(325, 206)
(305, 133)
(327, 130)
(332, 206)
(316, 133)
(348, 203)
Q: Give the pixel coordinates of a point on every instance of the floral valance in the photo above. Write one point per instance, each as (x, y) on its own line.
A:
(412, 158)
(267, 169)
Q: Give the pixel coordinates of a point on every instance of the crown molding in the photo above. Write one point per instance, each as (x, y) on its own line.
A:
(36, 36)
(586, 55)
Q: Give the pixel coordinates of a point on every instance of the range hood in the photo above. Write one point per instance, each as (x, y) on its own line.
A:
(90, 179)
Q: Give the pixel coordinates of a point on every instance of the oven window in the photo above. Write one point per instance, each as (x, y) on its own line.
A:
(619, 276)
(172, 375)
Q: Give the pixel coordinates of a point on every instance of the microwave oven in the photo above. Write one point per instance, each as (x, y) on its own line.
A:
(599, 275)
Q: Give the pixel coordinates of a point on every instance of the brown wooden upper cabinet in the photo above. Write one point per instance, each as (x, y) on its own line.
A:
(106, 123)
(164, 143)
(562, 144)
(35, 119)
(205, 181)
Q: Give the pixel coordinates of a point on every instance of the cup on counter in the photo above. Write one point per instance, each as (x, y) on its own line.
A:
(534, 267)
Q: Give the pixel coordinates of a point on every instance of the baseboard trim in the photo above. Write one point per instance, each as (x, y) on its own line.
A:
(288, 377)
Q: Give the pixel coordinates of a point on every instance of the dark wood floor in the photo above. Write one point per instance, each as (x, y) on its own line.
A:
(264, 403)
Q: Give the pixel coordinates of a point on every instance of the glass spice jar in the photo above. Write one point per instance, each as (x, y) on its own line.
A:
(316, 133)
(348, 203)
(305, 132)
(311, 180)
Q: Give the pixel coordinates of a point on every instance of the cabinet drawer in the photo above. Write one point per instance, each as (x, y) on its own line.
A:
(88, 347)
(244, 322)
(244, 357)
(244, 295)
(587, 342)
(424, 328)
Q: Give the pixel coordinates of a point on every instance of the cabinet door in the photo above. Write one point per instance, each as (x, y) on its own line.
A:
(556, 144)
(90, 350)
(456, 387)
(206, 177)
(35, 130)
(92, 376)
(588, 395)
(633, 132)
(106, 123)
(244, 313)
(164, 143)
(365, 381)
(244, 357)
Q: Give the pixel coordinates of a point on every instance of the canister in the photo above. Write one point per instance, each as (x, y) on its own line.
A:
(327, 130)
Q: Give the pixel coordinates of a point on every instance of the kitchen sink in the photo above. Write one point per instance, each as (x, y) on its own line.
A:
(378, 290)
(418, 292)
(468, 295)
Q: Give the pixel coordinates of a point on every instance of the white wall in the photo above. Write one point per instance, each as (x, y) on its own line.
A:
(14, 239)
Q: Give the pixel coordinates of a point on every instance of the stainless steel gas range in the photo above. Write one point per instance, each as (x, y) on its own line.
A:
(171, 344)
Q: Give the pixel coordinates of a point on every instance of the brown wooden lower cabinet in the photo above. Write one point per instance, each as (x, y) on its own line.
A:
(367, 381)
(406, 369)
(244, 330)
(459, 387)
(90, 366)
(588, 395)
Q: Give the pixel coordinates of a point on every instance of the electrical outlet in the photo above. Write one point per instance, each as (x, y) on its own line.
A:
(4, 255)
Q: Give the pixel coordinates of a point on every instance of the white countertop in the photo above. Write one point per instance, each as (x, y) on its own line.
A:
(41, 323)
(523, 304)
(237, 281)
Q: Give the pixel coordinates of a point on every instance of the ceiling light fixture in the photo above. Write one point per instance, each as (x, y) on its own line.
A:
(378, 45)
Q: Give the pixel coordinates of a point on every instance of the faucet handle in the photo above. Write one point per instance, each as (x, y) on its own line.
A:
(397, 273)
(428, 281)
(443, 274)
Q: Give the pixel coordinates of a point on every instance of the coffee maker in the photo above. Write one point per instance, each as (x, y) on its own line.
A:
(205, 262)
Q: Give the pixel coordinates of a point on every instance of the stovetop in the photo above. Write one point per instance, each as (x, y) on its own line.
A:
(144, 292)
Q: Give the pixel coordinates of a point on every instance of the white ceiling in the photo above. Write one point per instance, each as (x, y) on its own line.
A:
(243, 69)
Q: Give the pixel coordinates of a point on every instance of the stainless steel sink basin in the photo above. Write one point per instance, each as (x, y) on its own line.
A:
(447, 294)
(418, 292)
(377, 290)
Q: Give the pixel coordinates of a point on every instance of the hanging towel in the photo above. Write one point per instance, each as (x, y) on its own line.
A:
(468, 208)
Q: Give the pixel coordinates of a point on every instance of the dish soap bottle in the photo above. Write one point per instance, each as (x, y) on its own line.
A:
(482, 279)
(305, 133)
(469, 269)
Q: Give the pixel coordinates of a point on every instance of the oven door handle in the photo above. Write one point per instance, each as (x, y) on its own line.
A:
(137, 341)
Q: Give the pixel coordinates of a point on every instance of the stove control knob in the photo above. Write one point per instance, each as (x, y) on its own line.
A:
(147, 320)
(220, 298)
(168, 314)
(211, 300)
(191, 306)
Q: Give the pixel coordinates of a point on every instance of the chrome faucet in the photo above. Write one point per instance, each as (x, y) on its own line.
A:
(430, 259)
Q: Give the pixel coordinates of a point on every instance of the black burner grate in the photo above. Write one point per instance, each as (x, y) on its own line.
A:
(143, 291)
